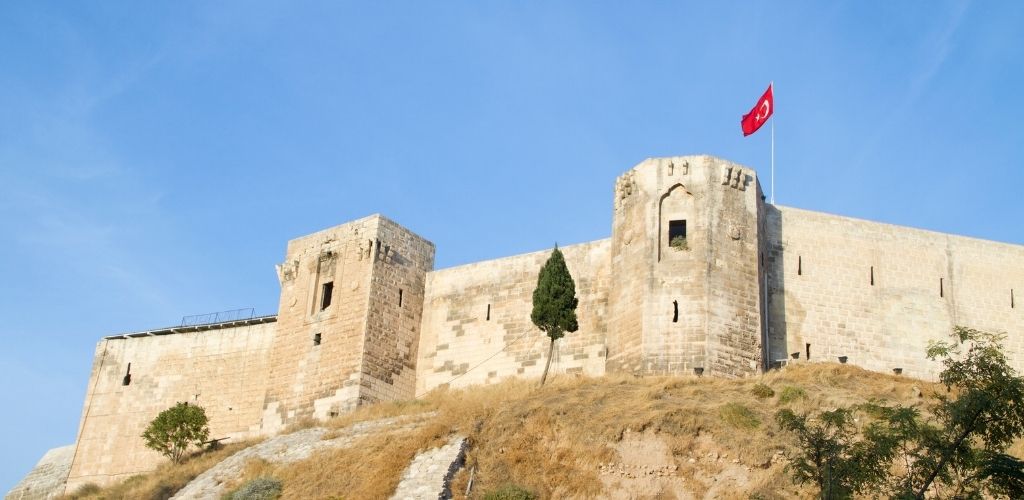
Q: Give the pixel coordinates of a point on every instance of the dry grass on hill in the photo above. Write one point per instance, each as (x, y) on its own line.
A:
(554, 440)
(574, 437)
(163, 482)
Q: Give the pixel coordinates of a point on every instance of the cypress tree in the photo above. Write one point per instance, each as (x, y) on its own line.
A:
(554, 303)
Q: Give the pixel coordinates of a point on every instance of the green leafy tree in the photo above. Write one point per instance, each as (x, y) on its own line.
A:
(832, 454)
(175, 429)
(554, 303)
(960, 453)
(981, 418)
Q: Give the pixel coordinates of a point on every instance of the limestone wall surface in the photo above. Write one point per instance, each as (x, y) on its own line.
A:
(676, 307)
(395, 313)
(223, 370)
(878, 293)
(317, 354)
(348, 320)
(476, 325)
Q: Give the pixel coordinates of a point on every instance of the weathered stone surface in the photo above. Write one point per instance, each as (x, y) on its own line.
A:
(697, 305)
(223, 370)
(478, 316)
(287, 448)
(877, 293)
(47, 478)
(430, 472)
(369, 331)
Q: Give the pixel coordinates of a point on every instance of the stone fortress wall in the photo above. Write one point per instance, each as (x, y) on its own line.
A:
(877, 293)
(348, 322)
(477, 328)
(696, 305)
(136, 377)
(363, 316)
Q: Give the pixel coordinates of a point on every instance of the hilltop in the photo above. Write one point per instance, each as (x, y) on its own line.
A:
(365, 316)
(619, 437)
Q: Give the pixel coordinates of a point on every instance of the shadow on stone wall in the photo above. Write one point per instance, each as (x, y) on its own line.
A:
(776, 296)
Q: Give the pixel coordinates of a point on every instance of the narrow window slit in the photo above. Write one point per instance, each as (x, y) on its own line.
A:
(872, 275)
(327, 290)
(942, 291)
(675, 311)
(799, 265)
(399, 297)
(127, 376)
(808, 349)
(488, 312)
(1012, 305)
(316, 339)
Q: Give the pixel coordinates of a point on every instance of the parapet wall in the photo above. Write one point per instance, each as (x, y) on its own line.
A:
(224, 370)
(877, 293)
(477, 328)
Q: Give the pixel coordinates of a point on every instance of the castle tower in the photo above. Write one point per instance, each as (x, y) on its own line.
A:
(348, 321)
(686, 274)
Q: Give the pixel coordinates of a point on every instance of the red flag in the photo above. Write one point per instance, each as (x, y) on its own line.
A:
(759, 113)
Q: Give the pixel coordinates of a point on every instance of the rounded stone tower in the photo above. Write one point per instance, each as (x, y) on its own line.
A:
(687, 275)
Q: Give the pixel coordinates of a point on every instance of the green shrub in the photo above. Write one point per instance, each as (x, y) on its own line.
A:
(762, 391)
(177, 428)
(739, 416)
(510, 492)
(679, 243)
(790, 394)
(261, 488)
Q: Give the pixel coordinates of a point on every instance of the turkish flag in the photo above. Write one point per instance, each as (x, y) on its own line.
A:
(759, 113)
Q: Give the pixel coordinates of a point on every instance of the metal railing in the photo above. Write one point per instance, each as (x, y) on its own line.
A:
(219, 317)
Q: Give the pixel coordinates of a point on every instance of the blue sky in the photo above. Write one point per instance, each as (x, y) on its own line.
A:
(155, 158)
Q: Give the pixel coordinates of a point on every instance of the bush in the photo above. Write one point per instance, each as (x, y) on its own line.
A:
(762, 391)
(739, 416)
(261, 488)
(175, 429)
(510, 492)
(679, 243)
(831, 456)
(790, 394)
(959, 451)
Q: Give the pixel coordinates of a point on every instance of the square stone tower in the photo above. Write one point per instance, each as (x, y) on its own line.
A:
(348, 321)
(686, 269)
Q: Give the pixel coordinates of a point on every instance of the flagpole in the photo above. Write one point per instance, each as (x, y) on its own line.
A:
(772, 85)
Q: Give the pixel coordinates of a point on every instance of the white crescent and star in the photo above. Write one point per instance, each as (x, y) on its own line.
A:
(765, 107)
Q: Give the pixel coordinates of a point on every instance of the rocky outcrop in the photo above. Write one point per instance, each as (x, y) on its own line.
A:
(47, 478)
(430, 473)
(288, 448)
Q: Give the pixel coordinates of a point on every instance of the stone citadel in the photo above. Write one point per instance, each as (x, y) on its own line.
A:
(700, 275)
